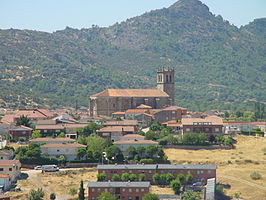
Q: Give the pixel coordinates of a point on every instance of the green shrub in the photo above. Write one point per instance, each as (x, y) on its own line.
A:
(125, 177)
(142, 177)
(101, 177)
(116, 177)
(255, 176)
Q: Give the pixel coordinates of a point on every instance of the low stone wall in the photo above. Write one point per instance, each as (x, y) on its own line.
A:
(191, 147)
(67, 165)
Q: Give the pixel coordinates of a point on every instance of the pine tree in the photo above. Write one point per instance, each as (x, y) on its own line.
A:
(81, 191)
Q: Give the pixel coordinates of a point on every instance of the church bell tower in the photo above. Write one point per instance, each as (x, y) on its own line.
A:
(166, 82)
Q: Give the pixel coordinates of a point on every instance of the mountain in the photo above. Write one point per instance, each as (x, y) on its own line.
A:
(217, 64)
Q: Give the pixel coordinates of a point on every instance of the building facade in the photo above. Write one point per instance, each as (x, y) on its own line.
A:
(200, 173)
(11, 168)
(123, 190)
(68, 150)
(119, 100)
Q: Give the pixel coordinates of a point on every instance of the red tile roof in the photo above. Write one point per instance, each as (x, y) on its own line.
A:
(121, 123)
(51, 139)
(143, 106)
(131, 93)
(9, 162)
(212, 119)
(116, 129)
(64, 145)
(150, 142)
(132, 136)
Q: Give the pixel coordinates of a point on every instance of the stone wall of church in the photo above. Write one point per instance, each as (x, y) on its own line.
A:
(108, 105)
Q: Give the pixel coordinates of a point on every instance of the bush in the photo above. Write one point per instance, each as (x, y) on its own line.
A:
(255, 176)
(116, 177)
(147, 161)
(132, 177)
(176, 186)
(125, 177)
(101, 177)
(150, 196)
(142, 177)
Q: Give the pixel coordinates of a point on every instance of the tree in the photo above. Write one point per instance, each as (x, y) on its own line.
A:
(116, 177)
(151, 151)
(112, 152)
(101, 177)
(107, 196)
(23, 121)
(131, 151)
(189, 178)
(156, 178)
(52, 196)
(142, 177)
(36, 194)
(190, 195)
(150, 196)
(132, 177)
(181, 178)
(81, 191)
(62, 135)
(96, 145)
(125, 177)
(61, 159)
(36, 134)
(72, 191)
(81, 153)
(176, 186)
(169, 177)
(89, 129)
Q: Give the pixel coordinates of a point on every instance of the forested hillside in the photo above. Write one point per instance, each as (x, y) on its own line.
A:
(217, 64)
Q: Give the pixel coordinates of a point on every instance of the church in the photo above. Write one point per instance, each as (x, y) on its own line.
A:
(119, 100)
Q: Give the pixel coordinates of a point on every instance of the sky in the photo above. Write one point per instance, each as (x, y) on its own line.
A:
(52, 15)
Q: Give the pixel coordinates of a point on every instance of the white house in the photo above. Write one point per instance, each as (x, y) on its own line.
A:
(68, 150)
(5, 182)
(10, 167)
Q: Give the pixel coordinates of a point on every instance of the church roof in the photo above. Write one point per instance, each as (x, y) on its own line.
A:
(131, 93)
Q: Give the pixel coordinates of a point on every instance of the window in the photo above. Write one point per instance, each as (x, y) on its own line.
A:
(198, 172)
(103, 172)
(23, 132)
(1, 158)
(99, 190)
(202, 172)
(130, 190)
(45, 131)
(10, 169)
(57, 150)
(137, 190)
(93, 190)
(149, 171)
(188, 172)
(1, 169)
(142, 190)
(187, 129)
(123, 190)
(106, 190)
(130, 171)
(217, 129)
(111, 190)
(209, 171)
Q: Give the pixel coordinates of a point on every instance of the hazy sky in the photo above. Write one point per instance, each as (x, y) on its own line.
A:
(51, 15)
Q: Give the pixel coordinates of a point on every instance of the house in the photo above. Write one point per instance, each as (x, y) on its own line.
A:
(123, 190)
(52, 140)
(33, 114)
(58, 128)
(120, 115)
(119, 100)
(6, 154)
(175, 126)
(244, 126)
(11, 168)
(133, 123)
(115, 132)
(209, 193)
(5, 182)
(199, 172)
(210, 125)
(68, 150)
(20, 132)
(169, 113)
(125, 144)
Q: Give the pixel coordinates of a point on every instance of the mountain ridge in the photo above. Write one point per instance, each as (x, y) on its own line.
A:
(71, 64)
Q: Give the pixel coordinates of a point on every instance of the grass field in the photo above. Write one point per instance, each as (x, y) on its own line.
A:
(234, 166)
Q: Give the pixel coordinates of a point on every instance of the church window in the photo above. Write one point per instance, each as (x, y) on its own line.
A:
(170, 78)
(114, 105)
(166, 78)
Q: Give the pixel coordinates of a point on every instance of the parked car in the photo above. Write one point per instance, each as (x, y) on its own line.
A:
(38, 167)
(50, 168)
(197, 184)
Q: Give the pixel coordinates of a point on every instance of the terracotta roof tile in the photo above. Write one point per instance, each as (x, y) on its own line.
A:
(143, 106)
(51, 139)
(212, 119)
(121, 123)
(116, 129)
(131, 93)
(136, 142)
(9, 162)
(64, 145)
(137, 136)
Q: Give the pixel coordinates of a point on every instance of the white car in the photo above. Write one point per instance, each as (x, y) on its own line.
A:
(38, 167)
